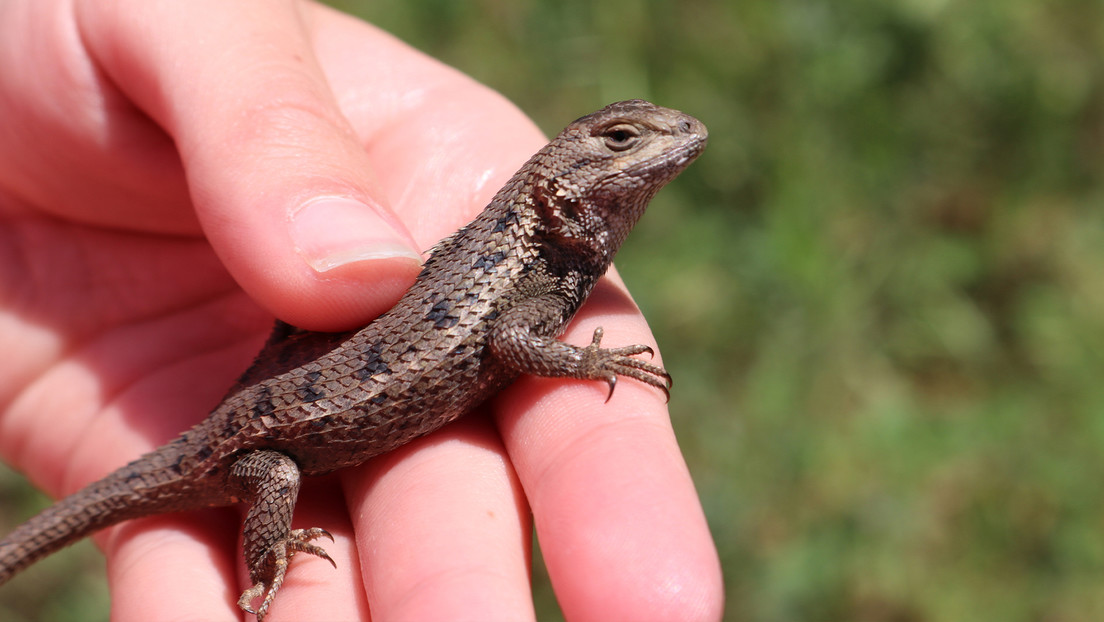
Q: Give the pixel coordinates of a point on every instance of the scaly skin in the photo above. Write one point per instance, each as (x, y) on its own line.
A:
(487, 307)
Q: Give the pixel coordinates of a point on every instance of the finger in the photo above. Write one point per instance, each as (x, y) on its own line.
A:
(446, 529)
(441, 143)
(620, 525)
(71, 144)
(281, 185)
(173, 567)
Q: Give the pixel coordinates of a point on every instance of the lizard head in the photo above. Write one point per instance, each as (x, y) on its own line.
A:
(604, 168)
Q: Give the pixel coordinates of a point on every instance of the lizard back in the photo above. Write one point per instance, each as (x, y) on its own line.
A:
(332, 400)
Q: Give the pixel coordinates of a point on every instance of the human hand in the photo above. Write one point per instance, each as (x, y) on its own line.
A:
(161, 170)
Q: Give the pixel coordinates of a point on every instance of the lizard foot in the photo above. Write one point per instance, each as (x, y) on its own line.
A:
(276, 564)
(608, 363)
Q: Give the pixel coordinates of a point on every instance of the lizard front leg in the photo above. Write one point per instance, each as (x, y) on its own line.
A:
(269, 481)
(516, 341)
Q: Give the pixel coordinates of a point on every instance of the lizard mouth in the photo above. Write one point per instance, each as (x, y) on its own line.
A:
(671, 162)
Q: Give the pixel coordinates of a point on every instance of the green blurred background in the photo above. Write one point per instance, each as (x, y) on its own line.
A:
(879, 290)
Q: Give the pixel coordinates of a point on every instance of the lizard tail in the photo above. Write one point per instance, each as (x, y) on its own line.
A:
(138, 489)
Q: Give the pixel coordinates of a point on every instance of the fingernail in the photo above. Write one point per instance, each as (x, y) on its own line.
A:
(336, 231)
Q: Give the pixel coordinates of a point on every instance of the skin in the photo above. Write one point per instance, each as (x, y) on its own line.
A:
(155, 161)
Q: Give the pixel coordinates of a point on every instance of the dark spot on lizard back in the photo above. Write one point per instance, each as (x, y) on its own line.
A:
(310, 394)
(262, 408)
(307, 391)
(373, 362)
(176, 466)
(487, 263)
(506, 221)
(322, 422)
(262, 405)
(233, 424)
(439, 315)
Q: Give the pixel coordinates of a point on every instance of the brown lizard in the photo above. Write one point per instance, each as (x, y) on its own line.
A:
(487, 307)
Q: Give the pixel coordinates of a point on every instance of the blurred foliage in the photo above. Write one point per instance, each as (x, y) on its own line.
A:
(878, 290)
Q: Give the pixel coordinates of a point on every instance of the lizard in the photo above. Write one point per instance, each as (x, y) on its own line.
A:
(487, 306)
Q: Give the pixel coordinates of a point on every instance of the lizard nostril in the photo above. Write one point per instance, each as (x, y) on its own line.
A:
(684, 126)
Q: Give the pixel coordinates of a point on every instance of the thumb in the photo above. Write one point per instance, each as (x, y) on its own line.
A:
(281, 186)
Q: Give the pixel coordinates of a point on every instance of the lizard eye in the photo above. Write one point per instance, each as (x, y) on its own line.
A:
(621, 137)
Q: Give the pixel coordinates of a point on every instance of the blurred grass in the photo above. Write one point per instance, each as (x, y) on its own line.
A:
(879, 289)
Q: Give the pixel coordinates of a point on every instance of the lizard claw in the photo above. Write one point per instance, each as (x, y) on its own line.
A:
(298, 541)
(305, 535)
(609, 363)
(249, 596)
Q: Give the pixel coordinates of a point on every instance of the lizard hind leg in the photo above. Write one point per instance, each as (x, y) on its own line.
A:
(269, 481)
